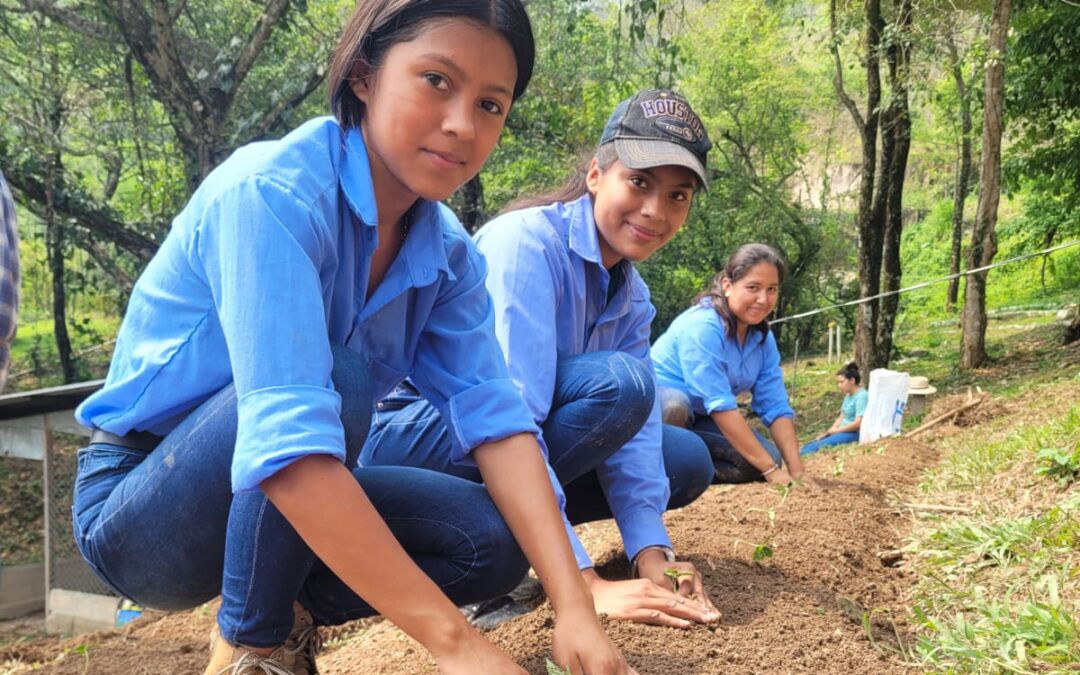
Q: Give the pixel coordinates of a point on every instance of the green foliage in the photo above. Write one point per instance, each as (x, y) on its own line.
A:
(1062, 462)
(996, 590)
(554, 669)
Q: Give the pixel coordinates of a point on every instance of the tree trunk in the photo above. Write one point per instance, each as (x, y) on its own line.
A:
(984, 238)
(898, 129)
(472, 211)
(54, 244)
(963, 176)
(869, 222)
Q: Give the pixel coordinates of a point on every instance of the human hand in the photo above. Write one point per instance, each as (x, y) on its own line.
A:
(475, 654)
(779, 476)
(645, 601)
(684, 580)
(580, 646)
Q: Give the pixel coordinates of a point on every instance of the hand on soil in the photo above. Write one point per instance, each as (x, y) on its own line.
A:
(645, 601)
(580, 645)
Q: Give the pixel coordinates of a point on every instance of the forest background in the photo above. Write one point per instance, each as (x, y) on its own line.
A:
(847, 134)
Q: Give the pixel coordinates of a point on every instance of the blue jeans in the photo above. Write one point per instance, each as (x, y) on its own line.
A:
(842, 438)
(728, 464)
(164, 528)
(598, 405)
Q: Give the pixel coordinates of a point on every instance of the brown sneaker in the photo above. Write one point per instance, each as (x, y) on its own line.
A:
(228, 659)
(303, 643)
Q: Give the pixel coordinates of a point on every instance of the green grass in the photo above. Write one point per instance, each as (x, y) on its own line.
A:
(998, 588)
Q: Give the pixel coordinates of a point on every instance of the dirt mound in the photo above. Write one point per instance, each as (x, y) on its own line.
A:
(828, 599)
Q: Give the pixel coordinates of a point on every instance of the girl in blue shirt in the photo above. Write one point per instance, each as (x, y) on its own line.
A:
(573, 318)
(720, 348)
(846, 427)
(305, 278)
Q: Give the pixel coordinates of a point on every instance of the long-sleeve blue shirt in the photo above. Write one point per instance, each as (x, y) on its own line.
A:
(550, 292)
(698, 357)
(263, 269)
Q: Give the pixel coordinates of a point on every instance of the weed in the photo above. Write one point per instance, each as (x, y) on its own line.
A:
(1060, 464)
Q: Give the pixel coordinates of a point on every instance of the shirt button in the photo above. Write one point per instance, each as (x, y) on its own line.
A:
(380, 405)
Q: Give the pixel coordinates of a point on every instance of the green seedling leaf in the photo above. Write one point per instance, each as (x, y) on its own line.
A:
(762, 551)
(554, 669)
(676, 575)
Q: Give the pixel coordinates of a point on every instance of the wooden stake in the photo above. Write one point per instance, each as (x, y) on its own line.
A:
(943, 417)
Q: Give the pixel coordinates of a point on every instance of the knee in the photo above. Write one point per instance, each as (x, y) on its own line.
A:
(628, 381)
(688, 464)
(674, 406)
(353, 383)
(503, 561)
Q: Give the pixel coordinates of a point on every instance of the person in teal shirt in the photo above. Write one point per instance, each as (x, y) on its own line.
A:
(846, 427)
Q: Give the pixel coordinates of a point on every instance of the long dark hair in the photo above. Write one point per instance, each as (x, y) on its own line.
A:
(737, 267)
(574, 187)
(850, 371)
(377, 25)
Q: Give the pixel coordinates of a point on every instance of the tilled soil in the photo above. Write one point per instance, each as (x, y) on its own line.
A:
(829, 599)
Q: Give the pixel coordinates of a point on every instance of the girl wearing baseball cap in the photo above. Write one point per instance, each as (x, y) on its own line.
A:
(573, 315)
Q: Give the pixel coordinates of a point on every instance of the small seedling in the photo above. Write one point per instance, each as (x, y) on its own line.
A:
(676, 575)
(838, 468)
(762, 550)
(554, 669)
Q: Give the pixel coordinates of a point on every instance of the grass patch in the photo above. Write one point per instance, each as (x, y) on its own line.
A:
(999, 589)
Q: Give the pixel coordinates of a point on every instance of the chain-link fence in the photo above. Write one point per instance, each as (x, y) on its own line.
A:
(66, 568)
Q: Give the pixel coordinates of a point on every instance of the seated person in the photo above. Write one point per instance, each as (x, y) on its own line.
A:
(846, 427)
(720, 348)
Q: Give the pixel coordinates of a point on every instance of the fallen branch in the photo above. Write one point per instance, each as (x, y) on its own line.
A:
(944, 416)
(937, 508)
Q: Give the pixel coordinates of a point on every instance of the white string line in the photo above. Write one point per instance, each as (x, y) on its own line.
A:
(927, 283)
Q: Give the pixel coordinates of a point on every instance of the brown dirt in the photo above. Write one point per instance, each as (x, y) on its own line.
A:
(832, 598)
(801, 610)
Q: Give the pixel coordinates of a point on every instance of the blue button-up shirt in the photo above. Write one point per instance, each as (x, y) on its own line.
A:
(550, 292)
(263, 269)
(697, 356)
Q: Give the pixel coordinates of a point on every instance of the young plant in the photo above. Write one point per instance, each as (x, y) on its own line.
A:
(554, 669)
(676, 575)
(838, 468)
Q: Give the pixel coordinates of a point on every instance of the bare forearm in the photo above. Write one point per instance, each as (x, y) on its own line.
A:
(845, 428)
(517, 479)
(742, 438)
(328, 508)
(783, 434)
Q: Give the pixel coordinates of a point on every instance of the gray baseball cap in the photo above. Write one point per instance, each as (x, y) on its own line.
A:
(657, 127)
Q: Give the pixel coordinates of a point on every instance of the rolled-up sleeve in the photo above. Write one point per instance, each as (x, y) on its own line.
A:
(633, 478)
(260, 250)
(704, 365)
(459, 365)
(770, 399)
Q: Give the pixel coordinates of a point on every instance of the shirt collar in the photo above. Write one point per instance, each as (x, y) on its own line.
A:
(424, 251)
(584, 239)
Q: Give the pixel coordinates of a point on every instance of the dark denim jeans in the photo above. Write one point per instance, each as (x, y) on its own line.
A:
(729, 465)
(842, 438)
(164, 528)
(598, 405)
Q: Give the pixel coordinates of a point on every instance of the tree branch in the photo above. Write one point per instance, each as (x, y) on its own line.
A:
(274, 116)
(275, 9)
(838, 72)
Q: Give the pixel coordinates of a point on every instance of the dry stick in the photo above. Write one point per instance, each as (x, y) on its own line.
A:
(943, 417)
(940, 508)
